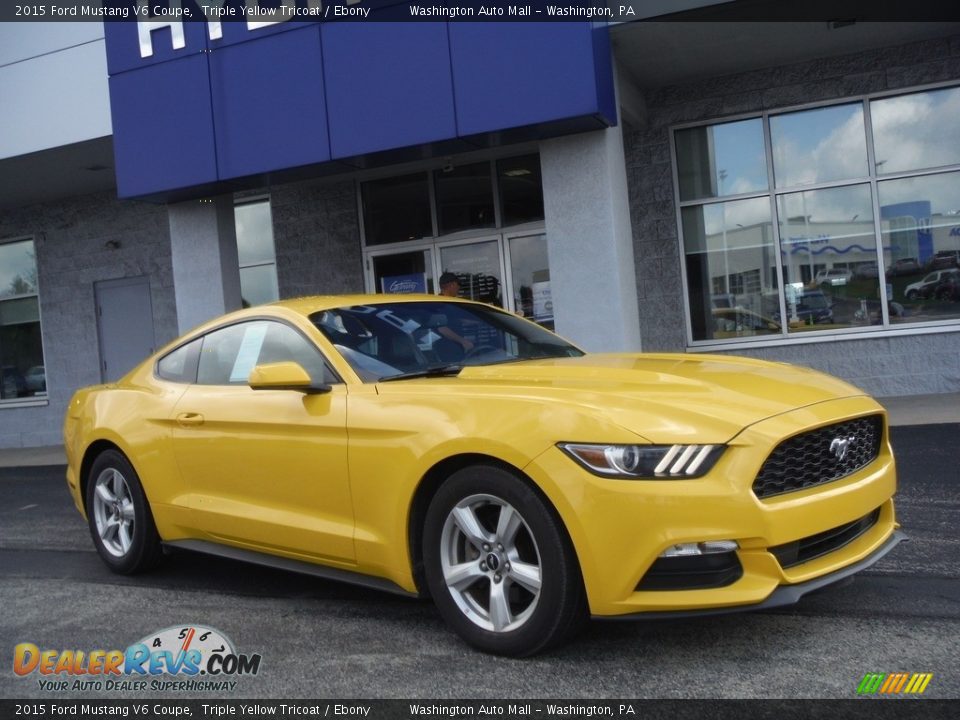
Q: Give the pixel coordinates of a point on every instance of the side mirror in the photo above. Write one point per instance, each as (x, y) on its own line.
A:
(284, 376)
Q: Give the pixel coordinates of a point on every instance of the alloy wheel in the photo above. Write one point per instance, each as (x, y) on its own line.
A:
(491, 563)
(113, 511)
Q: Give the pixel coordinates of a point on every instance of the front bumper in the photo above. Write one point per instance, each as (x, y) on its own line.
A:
(620, 527)
(784, 595)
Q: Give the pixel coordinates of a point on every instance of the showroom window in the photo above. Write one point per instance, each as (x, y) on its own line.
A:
(452, 199)
(22, 372)
(521, 189)
(824, 220)
(464, 197)
(396, 209)
(255, 249)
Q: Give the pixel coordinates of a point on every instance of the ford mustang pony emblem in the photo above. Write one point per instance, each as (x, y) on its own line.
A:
(839, 447)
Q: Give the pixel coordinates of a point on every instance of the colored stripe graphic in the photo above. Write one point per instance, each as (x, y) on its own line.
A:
(894, 683)
(870, 684)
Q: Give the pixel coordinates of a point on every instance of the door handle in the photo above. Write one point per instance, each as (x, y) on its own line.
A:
(189, 419)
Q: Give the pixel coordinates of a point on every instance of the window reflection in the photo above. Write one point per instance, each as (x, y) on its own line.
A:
(819, 145)
(916, 131)
(254, 233)
(731, 269)
(718, 160)
(477, 267)
(833, 273)
(521, 189)
(18, 269)
(396, 209)
(829, 254)
(464, 198)
(531, 278)
(22, 372)
(256, 253)
(258, 284)
(920, 226)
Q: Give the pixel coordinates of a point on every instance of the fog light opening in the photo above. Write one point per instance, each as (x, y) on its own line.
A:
(710, 547)
(694, 566)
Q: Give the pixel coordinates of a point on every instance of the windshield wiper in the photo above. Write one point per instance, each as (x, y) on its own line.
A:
(434, 371)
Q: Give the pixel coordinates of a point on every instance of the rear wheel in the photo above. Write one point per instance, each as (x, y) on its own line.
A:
(499, 566)
(119, 516)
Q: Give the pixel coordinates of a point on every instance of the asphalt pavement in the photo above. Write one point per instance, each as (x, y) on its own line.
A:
(319, 638)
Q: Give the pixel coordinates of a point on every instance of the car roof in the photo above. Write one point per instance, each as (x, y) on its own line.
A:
(307, 306)
(315, 303)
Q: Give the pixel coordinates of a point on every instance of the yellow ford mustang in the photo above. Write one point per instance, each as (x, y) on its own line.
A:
(433, 446)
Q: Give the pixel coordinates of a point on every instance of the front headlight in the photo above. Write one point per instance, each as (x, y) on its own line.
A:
(655, 462)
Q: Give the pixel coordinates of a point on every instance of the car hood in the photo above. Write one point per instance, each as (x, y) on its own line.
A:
(668, 398)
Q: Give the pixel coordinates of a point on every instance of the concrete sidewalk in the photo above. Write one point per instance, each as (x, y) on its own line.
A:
(905, 410)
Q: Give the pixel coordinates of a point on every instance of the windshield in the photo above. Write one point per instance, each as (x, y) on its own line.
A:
(385, 339)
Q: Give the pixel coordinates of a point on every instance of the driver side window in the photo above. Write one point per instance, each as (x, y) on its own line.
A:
(229, 354)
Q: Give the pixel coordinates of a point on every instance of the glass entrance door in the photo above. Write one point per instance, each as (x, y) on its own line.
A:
(404, 272)
(530, 277)
(479, 268)
(509, 270)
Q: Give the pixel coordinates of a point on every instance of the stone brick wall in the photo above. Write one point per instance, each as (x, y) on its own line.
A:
(70, 238)
(888, 366)
(317, 238)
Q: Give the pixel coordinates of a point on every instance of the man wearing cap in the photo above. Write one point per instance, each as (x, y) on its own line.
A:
(450, 287)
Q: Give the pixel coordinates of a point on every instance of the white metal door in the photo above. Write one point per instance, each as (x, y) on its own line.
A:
(124, 325)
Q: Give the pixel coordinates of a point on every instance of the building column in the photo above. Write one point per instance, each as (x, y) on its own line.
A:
(590, 241)
(203, 246)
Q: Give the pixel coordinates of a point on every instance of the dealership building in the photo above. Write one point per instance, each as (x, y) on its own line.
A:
(780, 190)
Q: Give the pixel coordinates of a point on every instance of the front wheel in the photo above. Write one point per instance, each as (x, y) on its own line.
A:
(499, 565)
(119, 516)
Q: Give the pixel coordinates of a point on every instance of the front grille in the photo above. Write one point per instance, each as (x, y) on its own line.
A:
(808, 548)
(814, 457)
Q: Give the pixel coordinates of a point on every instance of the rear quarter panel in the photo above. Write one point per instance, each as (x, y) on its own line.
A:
(133, 415)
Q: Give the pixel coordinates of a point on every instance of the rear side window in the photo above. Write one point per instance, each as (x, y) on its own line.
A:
(230, 353)
(180, 365)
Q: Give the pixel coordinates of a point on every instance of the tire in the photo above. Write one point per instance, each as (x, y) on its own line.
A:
(511, 590)
(912, 295)
(118, 514)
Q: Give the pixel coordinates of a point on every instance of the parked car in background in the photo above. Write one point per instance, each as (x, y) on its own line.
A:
(904, 266)
(723, 300)
(833, 277)
(804, 306)
(813, 306)
(36, 378)
(12, 383)
(945, 259)
(948, 288)
(866, 270)
(737, 322)
(925, 288)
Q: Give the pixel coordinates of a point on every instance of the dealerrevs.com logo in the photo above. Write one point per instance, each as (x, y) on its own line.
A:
(201, 658)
